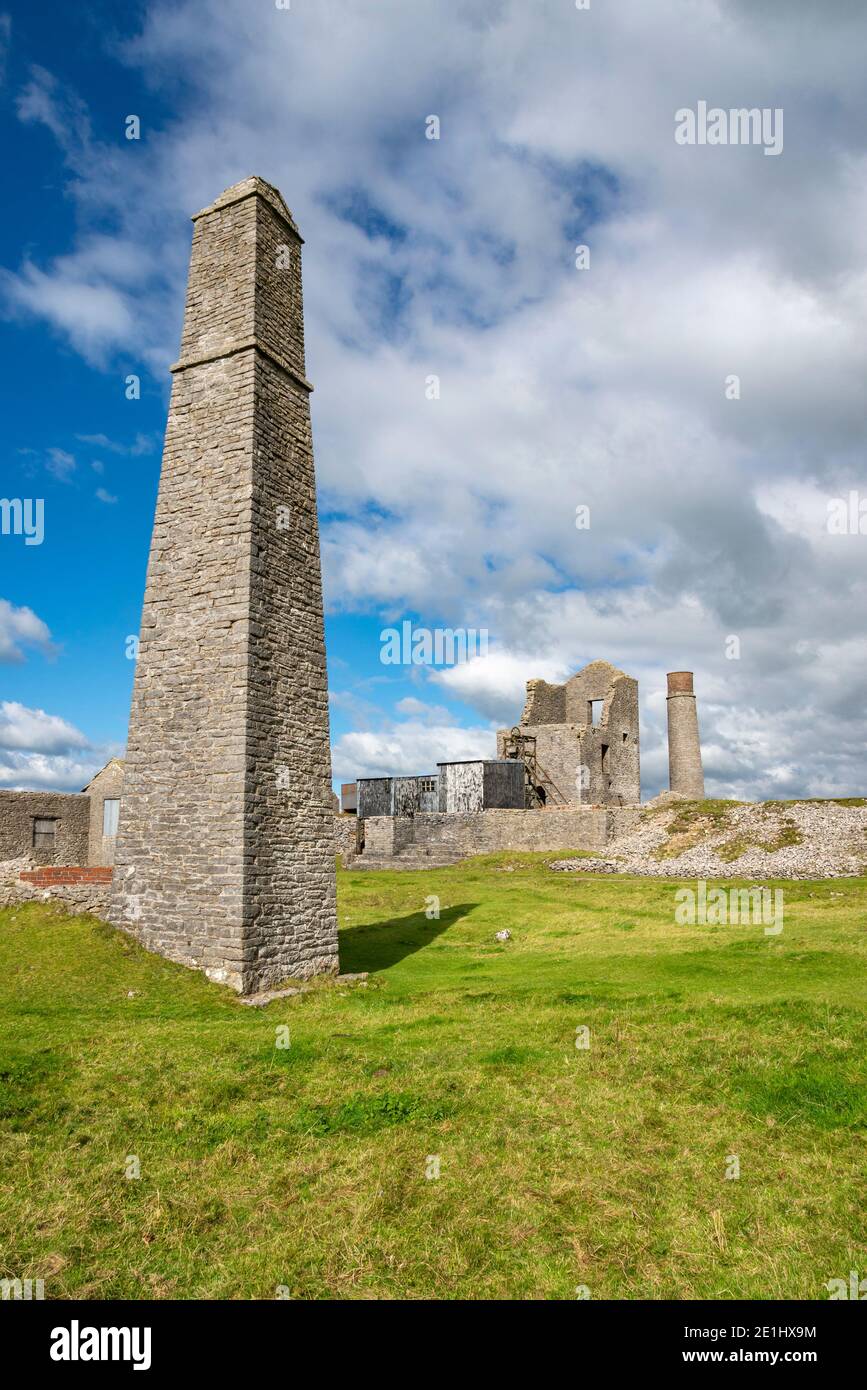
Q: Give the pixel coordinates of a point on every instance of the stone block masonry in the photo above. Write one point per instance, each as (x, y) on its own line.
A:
(225, 849)
(107, 785)
(346, 838)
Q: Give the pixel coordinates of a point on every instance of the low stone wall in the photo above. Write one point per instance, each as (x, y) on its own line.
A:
(498, 829)
(485, 832)
(81, 889)
(385, 836)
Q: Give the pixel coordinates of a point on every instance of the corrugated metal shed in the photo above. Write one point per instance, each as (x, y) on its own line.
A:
(482, 785)
(375, 796)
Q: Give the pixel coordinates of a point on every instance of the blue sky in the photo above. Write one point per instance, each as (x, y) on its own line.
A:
(74, 437)
(85, 581)
(559, 387)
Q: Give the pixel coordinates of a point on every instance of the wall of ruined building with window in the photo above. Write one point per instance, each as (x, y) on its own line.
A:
(104, 793)
(64, 827)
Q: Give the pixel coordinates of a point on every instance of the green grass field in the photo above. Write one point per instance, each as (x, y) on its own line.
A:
(269, 1171)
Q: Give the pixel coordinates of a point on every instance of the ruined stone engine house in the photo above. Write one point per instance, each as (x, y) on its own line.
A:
(575, 755)
(579, 741)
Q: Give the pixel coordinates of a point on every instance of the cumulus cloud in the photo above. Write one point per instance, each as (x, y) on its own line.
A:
(410, 708)
(44, 751)
(36, 731)
(495, 684)
(20, 628)
(558, 388)
(46, 772)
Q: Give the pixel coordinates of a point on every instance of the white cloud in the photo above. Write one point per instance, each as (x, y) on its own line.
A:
(44, 751)
(92, 313)
(61, 464)
(36, 731)
(142, 444)
(103, 495)
(45, 101)
(496, 684)
(19, 628)
(41, 771)
(410, 708)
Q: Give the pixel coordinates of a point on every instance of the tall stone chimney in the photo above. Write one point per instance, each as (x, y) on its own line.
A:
(225, 849)
(685, 773)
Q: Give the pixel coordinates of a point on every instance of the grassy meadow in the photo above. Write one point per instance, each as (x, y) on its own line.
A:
(308, 1171)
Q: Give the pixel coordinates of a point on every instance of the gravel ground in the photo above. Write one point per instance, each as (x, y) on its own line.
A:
(833, 845)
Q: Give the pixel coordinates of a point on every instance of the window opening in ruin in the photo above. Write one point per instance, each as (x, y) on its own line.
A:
(625, 738)
(44, 832)
(605, 752)
(595, 711)
(110, 813)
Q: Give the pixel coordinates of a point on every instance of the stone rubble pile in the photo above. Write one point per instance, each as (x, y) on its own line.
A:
(833, 844)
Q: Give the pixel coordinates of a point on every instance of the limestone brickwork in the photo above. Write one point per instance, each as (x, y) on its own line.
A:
(225, 852)
(345, 838)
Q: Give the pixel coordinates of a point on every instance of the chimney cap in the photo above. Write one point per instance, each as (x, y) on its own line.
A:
(680, 683)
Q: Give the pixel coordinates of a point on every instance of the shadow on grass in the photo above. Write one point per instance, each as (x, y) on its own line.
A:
(385, 943)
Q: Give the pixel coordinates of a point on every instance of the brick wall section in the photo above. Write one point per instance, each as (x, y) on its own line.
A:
(49, 877)
(80, 889)
(225, 852)
(17, 813)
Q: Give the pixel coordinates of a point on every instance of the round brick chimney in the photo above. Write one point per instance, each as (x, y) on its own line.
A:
(685, 774)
